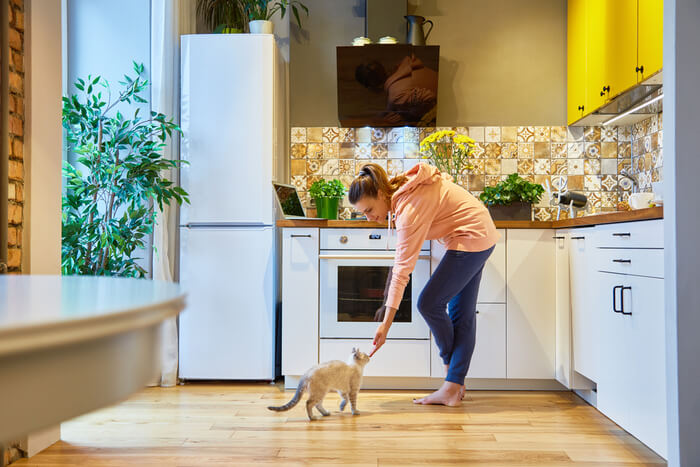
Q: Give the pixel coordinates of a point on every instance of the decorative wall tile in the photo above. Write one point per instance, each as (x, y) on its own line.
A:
(378, 135)
(509, 134)
(346, 167)
(330, 134)
(461, 130)
(526, 134)
(310, 179)
(591, 166)
(525, 166)
(559, 181)
(608, 133)
(526, 150)
(574, 150)
(624, 133)
(479, 166)
(330, 150)
(591, 133)
(347, 151)
(380, 151)
(492, 150)
(592, 150)
(314, 151)
(575, 167)
(574, 134)
(425, 132)
(493, 167)
(542, 134)
(608, 166)
(298, 135)
(591, 182)
(363, 150)
(624, 150)
(299, 181)
(313, 167)
(542, 150)
(363, 135)
(476, 182)
(542, 166)
(396, 151)
(493, 180)
(559, 167)
(346, 135)
(479, 149)
(558, 150)
(509, 150)
(575, 182)
(395, 135)
(298, 167)
(559, 134)
(298, 151)
(492, 134)
(477, 133)
(509, 166)
(395, 167)
(330, 167)
(314, 135)
(609, 182)
(410, 150)
(411, 135)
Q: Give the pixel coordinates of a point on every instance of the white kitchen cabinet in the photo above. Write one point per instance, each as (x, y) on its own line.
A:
(300, 249)
(632, 371)
(563, 369)
(493, 279)
(530, 298)
(397, 357)
(489, 358)
(642, 234)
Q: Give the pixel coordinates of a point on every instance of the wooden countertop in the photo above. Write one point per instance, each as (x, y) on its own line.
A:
(587, 221)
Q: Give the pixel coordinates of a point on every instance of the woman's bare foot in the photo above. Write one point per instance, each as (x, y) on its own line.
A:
(461, 392)
(449, 394)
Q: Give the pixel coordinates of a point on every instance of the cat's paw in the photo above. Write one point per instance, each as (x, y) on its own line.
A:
(326, 414)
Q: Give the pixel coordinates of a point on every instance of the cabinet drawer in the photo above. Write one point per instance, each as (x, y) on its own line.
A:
(395, 358)
(489, 358)
(649, 263)
(360, 239)
(644, 234)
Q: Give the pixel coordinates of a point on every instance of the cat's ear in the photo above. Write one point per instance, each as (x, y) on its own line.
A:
(354, 350)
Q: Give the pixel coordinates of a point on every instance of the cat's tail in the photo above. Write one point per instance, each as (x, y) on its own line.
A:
(295, 400)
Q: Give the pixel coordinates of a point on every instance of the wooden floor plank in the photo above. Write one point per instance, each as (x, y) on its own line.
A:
(229, 424)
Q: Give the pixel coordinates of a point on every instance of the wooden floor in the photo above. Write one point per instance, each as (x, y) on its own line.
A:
(216, 424)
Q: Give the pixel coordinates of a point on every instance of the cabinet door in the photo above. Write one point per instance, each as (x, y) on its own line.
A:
(585, 318)
(576, 60)
(614, 374)
(562, 287)
(489, 358)
(647, 361)
(620, 46)
(650, 37)
(299, 300)
(596, 49)
(530, 329)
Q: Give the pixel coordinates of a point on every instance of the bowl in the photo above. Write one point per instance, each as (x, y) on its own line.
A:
(640, 200)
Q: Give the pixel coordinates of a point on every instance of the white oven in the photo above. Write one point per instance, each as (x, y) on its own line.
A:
(354, 264)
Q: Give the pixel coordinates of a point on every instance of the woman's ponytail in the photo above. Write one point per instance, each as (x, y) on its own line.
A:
(371, 179)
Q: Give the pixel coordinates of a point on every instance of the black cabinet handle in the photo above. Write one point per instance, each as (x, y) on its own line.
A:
(615, 299)
(558, 237)
(622, 261)
(622, 234)
(580, 107)
(605, 89)
(639, 69)
(622, 300)
(477, 312)
(578, 238)
(300, 236)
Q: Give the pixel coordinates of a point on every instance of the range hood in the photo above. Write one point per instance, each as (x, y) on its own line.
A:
(636, 104)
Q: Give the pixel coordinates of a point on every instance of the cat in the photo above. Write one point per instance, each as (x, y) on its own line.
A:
(345, 378)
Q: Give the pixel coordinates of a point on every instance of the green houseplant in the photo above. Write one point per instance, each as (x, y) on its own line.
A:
(259, 13)
(512, 199)
(327, 195)
(222, 16)
(109, 203)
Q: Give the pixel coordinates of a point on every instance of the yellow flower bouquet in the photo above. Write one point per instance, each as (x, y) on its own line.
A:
(448, 151)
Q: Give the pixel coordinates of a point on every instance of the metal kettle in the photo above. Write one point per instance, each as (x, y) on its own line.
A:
(414, 29)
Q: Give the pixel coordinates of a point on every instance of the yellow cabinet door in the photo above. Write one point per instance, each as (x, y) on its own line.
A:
(620, 45)
(596, 53)
(576, 60)
(650, 37)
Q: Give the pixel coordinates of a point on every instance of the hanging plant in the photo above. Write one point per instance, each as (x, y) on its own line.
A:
(110, 199)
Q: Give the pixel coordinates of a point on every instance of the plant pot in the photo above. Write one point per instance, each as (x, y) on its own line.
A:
(327, 207)
(261, 26)
(511, 212)
(231, 31)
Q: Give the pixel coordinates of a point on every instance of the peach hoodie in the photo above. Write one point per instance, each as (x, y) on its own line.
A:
(429, 206)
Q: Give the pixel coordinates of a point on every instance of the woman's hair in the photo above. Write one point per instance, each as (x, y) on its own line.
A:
(371, 179)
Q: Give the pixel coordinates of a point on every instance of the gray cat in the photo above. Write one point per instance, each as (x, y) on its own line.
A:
(345, 378)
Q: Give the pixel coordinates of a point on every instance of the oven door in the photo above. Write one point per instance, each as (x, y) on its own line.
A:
(352, 289)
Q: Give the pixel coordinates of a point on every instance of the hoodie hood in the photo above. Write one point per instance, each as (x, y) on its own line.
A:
(420, 174)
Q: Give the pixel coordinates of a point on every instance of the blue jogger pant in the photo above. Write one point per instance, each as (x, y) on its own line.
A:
(454, 286)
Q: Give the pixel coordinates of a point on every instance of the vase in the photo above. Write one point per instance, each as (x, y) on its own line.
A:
(327, 207)
(511, 212)
(260, 26)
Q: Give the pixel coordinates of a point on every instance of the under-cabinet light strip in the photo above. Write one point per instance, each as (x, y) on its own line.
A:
(633, 109)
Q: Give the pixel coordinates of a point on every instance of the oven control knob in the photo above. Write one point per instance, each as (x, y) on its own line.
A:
(344, 239)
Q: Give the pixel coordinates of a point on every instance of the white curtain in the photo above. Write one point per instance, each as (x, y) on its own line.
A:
(169, 20)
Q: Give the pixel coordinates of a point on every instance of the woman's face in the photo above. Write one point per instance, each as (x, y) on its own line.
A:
(375, 209)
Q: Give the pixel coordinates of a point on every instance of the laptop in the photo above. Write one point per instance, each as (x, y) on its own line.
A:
(289, 202)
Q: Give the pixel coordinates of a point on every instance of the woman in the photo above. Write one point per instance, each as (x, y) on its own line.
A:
(424, 204)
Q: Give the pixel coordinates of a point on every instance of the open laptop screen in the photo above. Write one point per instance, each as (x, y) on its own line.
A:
(289, 200)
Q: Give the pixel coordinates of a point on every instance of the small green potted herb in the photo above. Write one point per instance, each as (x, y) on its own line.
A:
(327, 195)
(512, 199)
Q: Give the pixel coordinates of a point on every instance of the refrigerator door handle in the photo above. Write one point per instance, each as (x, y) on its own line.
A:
(223, 225)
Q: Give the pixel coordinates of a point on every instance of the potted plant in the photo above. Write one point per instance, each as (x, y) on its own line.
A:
(449, 152)
(222, 16)
(512, 199)
(110, 202)
(259, 13)
(327, 195)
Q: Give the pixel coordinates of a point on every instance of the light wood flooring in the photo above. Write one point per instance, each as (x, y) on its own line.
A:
(228, 424)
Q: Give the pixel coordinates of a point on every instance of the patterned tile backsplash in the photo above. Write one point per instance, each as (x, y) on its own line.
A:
(585, 159)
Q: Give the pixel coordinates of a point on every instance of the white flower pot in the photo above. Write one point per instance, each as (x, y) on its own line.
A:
(261, 27)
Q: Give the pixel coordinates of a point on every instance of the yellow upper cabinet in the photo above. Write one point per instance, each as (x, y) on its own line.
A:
(576, 62)
(620, 46)
(596, 53)
(650, 37)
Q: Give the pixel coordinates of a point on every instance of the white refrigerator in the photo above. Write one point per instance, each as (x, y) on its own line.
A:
(234, 134)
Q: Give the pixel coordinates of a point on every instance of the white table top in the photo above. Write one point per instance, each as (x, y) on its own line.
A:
(37, 311)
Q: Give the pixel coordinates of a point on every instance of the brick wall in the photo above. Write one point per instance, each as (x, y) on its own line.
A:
(16, 129)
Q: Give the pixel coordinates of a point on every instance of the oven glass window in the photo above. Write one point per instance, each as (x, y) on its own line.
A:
(361, 293)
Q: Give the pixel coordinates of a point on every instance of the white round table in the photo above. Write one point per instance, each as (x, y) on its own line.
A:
(70, 345)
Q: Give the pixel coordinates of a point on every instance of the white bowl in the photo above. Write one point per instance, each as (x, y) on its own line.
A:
(640, 200)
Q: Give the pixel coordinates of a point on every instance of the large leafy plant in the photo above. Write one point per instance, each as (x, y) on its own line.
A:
(222, 15)
(512, 190)
(266, 9)
(109, 203)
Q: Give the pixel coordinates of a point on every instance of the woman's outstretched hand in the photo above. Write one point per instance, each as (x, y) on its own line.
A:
(379, 337)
